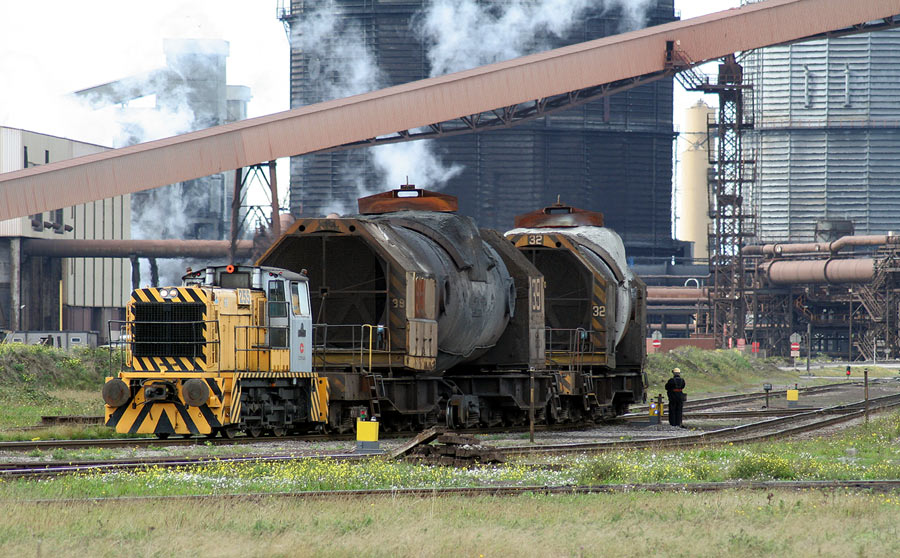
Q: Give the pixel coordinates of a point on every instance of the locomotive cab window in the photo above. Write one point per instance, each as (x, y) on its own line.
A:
(300, 298)
(278, 337)
(277, 301)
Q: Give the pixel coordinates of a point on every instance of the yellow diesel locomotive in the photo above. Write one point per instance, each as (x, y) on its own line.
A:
(229, 350)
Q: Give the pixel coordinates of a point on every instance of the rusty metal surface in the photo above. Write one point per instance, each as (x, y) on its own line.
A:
(427, 102)
(407, 198)
(69, 248)
(860, 270)
(560, 215)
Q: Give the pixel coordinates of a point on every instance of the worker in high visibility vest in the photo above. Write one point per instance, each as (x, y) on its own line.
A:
(675, 391)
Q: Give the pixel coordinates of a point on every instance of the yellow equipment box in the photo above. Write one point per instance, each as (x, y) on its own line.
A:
(366, 431)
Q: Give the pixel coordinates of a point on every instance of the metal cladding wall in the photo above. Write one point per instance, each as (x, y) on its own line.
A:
(612, 156)
(828, 135)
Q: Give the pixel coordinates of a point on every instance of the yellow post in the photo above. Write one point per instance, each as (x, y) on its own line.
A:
(655, 412)
(60, 304)
(365, 327)
(367, 436)
(793, 396)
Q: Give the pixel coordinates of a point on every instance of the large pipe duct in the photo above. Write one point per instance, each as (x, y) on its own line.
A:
(860, 270)
(73, 248)
(677, 294)
(833, 247)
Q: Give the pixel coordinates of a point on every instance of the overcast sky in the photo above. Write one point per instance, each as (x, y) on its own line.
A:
(53, 47)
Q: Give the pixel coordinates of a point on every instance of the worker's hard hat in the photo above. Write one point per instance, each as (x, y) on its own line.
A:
(676, 371)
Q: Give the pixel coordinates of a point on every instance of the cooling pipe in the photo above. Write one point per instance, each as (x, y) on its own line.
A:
(820, 247)
(676, 295)
(74, 248)
(861, 270)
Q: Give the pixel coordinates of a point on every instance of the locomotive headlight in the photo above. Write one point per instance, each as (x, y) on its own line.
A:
(165, 293)
(195, 392)
(116, 392)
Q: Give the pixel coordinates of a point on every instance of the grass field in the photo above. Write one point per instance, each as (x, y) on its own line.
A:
(722, 371)
(734, 523)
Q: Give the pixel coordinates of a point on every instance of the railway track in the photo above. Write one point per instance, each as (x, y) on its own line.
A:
(718, 401)
(508, 491)
(745, 433)
(10, 471)
(43, 445)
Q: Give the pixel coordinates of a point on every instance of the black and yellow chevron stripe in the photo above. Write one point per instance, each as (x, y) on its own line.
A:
(163, 418)
(258, 375)
(185, 294)
(167, 364)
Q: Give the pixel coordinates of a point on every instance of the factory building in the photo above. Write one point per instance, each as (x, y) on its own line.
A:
(827, 137)
(49, 293)
(192, 87)
(613, 155)
(35, 292)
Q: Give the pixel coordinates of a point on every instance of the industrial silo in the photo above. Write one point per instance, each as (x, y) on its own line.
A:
(612, 156)
(693, 200)
(827, 135)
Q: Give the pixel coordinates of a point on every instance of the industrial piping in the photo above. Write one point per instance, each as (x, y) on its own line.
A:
(676, 295)
(861, 270)
(820, 247)
(74, 248)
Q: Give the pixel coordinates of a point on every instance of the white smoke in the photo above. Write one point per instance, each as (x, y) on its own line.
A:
(464, 34)
(144, 108)
(341, 65)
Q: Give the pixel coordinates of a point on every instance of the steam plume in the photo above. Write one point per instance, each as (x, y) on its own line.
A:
(464, 34)
(341, 65)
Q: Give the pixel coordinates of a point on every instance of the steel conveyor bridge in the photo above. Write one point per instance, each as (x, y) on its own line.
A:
(492, 96)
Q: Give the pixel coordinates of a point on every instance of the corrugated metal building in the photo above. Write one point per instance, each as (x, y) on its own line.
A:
(613, 156)
(827, 135)
(94, 290)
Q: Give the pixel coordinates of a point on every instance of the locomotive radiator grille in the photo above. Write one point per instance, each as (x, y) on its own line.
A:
(168, 334)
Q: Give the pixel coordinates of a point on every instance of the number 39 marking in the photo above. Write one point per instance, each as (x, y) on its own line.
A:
(598, 311)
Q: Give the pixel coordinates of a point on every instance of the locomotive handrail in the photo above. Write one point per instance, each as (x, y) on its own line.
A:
(353, 341)
(256, 349)
(575, 344)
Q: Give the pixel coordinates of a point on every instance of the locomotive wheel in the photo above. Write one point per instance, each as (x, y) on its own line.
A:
(254, 432)
(278, 432)
(227, 432)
